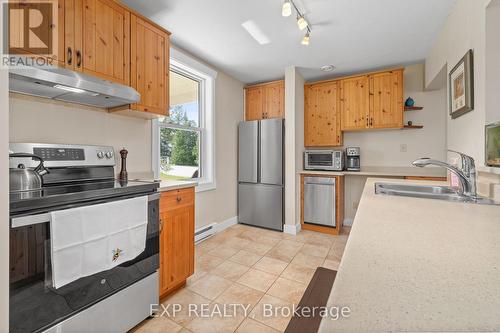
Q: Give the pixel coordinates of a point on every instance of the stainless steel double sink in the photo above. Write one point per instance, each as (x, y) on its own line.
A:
(429, 192)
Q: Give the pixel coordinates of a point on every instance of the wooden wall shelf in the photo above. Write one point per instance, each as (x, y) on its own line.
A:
(413, 126)
(413, 108)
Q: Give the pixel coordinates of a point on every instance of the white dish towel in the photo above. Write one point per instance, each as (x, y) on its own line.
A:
(92, 239)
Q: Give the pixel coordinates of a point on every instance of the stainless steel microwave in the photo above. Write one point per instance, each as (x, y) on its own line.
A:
(330, 160)
(493, 145)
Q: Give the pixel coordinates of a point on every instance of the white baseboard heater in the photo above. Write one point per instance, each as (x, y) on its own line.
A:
(204, 232)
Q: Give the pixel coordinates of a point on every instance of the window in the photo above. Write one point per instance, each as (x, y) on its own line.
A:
(183, 142)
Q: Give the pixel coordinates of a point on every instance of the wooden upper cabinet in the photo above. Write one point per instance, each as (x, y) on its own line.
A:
(386, 99)
(274, 100)
(105, 48)
(265, 101)
(254, 103)
(322, 116)
(149, 66)
(354, 103)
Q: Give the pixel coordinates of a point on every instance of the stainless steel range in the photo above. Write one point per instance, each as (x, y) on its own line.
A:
(47, 292)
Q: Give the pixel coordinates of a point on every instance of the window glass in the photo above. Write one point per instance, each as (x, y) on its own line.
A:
(184, 101)
(179, 154)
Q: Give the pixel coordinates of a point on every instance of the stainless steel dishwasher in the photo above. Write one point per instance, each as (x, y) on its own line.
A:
(319, 201)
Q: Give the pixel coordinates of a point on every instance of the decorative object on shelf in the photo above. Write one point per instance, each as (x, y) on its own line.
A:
(410, 123)
(409, 102)
(461, 83)
(413, 108)
(302, 23)
(123, 177)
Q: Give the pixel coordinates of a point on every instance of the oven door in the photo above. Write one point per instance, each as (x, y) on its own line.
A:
(35, 305)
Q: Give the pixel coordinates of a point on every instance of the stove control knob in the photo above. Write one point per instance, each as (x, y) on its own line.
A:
(100, 154)
(109, 154)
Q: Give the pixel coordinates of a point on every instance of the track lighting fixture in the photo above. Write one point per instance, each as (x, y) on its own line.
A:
(301, 22)
(286, 10)
(305, 40)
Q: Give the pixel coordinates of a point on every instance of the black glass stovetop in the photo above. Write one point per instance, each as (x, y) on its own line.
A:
(75, 193)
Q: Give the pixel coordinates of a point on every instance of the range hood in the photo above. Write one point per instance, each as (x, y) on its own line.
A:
(69, 86)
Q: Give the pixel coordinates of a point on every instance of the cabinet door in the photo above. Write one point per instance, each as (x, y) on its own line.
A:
(274, 100)
(254, 103)
(322, 115)
(106, 41)
(386, 100)
(176, 238)
(179, 226)
(149, 70)
(354, 102)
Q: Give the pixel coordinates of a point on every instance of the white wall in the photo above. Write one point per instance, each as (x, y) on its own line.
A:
(492, 61)
(221, 204)
(290, 153)
(463, 30)
(383, 147)
(42, 120)
(4, 194)
(299, 139)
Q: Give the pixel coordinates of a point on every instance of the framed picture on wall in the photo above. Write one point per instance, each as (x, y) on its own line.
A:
(461, 83)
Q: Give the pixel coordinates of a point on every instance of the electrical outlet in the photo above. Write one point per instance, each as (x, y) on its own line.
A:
(403, 148)
(355, 205)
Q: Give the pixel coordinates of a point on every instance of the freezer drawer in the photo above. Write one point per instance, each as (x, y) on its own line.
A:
(261, 205)
(319, 201)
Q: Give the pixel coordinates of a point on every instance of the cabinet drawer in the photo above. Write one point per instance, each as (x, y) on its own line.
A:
(176, 199)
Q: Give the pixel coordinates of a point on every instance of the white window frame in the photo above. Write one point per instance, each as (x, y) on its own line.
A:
(192, 68)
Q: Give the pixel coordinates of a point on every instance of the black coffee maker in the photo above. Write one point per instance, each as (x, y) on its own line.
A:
(353, 158)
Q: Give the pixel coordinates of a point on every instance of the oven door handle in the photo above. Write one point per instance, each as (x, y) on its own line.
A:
(22, 221)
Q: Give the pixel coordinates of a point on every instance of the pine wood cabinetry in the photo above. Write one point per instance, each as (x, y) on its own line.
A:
(360, 102)
(354, 103)
(96, 39)
(106, 41)
(149, 73)
(372, 101)
(176, 239)
(386, 99)
(265, 101)
(322, 115)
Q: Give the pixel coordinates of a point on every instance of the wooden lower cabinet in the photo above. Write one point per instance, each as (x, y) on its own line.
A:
(339, 206)
(176, 239)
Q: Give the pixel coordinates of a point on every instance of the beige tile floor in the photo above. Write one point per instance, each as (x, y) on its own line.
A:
(251, 267)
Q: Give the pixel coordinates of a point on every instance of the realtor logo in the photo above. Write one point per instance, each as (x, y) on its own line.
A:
(31, 27)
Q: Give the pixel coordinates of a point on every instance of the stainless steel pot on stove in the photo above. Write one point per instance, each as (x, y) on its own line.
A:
(26, 179)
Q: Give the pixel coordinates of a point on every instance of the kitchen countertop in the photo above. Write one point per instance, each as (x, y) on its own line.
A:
(386, 171)
(419, 265)
(167, 185)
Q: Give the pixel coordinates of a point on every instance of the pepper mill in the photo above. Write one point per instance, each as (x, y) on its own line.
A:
(123, 173)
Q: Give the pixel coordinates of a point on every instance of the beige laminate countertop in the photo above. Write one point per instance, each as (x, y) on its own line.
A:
(419, 265)
(167, 185)
(386, 172)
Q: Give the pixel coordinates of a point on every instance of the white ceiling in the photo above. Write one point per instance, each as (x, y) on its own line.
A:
(352, 35)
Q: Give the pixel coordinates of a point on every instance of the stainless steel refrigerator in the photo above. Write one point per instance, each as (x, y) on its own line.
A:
(260, 173)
